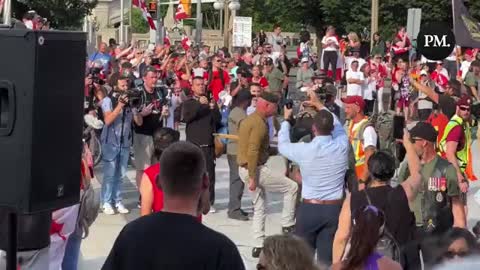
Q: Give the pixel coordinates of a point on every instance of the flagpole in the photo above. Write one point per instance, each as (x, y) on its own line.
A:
(198, 30)
(159, 36)
(7, 12)
(122, 8)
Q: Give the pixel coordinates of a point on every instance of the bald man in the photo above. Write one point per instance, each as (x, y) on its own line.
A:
(252, 155)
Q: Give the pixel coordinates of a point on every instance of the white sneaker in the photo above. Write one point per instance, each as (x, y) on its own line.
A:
(212, 210)
(108, 209)
(121, 208)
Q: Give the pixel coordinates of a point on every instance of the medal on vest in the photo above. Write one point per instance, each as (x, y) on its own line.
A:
(443, 184)
(439, 197)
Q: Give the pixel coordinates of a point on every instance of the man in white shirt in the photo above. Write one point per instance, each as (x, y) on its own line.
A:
(201, 69)
(276, 39)
(355, 80)
(465, 67)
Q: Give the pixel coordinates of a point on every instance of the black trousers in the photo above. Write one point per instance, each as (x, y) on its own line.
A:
(451, 67)
(369, 106)
(236, 185)
(209, 154)
(317, 224)
(330, 57)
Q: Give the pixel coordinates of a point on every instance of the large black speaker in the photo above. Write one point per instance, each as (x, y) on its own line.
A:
(41, 120)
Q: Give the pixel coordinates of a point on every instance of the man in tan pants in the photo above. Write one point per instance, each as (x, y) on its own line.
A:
(253, 153)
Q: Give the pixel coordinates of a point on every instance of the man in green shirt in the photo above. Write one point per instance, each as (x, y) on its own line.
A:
(472, 78)
(439, 196)
(277, 80)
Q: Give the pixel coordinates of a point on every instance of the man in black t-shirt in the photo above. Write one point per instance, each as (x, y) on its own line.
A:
(174, 238)
(152, 115)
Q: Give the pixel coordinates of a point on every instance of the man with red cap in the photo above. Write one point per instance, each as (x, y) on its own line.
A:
(456, 142)
(362, 136)
(468, 57)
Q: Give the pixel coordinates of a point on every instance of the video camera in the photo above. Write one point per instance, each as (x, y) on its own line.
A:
(95, 73)
(134, 97)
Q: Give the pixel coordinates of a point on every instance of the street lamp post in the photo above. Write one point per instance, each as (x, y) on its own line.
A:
(220, 6)
(199, 23)
(234, 5)
(159, 32)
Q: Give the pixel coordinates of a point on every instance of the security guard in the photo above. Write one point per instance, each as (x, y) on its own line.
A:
(438, 206)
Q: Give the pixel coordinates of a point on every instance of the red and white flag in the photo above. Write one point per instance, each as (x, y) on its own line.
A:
(143, 7)
(183, 9)
(186, 43)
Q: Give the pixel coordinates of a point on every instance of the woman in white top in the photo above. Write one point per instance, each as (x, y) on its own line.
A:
(368, 87)
(330, 47)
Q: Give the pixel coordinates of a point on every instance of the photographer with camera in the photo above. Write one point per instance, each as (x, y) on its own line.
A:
(116, 141)
(151, 115)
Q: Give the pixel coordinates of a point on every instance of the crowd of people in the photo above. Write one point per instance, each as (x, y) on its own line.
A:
(360, 192)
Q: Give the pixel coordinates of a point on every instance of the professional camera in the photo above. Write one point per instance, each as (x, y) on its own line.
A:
(95, 73)
(134, 97)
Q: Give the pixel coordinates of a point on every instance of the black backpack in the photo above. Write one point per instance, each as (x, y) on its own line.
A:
(387, 244)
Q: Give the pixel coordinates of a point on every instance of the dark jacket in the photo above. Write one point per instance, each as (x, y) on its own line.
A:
(201, 121)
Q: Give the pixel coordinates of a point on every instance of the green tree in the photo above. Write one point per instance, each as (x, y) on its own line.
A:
(62, 14)
(139, 24)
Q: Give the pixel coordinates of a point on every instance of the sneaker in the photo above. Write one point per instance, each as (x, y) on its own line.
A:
(256, 252)
(238, 216)
(212, 210)
(107, 209)
(121, 208)
(244, 213)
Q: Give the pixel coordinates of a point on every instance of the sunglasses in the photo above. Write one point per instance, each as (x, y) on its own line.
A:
(413, 140)
(465, 109)
(218, 61)
(261, 267)
(451, 254)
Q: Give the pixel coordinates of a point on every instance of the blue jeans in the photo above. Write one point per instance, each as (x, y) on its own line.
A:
(72, 251)
(115, 162)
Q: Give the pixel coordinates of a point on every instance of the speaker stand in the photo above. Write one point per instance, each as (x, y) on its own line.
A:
(12, 241)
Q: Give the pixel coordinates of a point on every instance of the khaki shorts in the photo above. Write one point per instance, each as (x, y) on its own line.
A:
(142, 150)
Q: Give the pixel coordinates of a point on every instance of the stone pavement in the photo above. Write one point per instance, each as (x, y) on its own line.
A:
(106, 228)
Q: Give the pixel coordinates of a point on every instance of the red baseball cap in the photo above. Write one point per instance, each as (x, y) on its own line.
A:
(465, 100)
(357, 100)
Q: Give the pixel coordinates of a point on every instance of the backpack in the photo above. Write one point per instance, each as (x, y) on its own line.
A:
(387, 245)
(383, 124)
(89, 205)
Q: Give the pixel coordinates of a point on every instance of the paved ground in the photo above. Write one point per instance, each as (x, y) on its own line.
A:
(106, 228)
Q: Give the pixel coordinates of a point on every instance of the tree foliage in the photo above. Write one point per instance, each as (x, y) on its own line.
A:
(62, 14)
(345, 15)
(139, 24)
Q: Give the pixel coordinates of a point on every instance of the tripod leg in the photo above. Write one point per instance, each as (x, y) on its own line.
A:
(12, 241)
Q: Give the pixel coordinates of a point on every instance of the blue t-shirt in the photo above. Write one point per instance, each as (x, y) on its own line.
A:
(104, 58)
(112, 134)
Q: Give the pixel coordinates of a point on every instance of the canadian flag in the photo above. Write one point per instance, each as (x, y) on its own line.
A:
(143, 7)
(183, 9)
(186, 42)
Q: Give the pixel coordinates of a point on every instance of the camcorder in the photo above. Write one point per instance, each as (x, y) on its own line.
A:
(95, 72)
(134, 96)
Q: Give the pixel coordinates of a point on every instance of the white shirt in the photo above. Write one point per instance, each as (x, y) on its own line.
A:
(354, 89)
(368, 87)
(198, 72)
(326, 40)
(464, 68)
(423, 104)
(349, 61)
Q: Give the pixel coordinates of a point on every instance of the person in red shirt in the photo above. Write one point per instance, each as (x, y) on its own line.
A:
(380, 73)
(216, 78)
(151, 193)
(401, 44)
(258, 78)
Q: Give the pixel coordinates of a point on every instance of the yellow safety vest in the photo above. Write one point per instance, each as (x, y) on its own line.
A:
(355, 137)
(462, 154)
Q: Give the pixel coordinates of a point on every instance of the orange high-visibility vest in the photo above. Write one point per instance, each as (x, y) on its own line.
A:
(355, 137)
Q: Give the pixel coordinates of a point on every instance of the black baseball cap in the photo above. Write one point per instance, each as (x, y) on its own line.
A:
(424, 131)
(270, 97)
